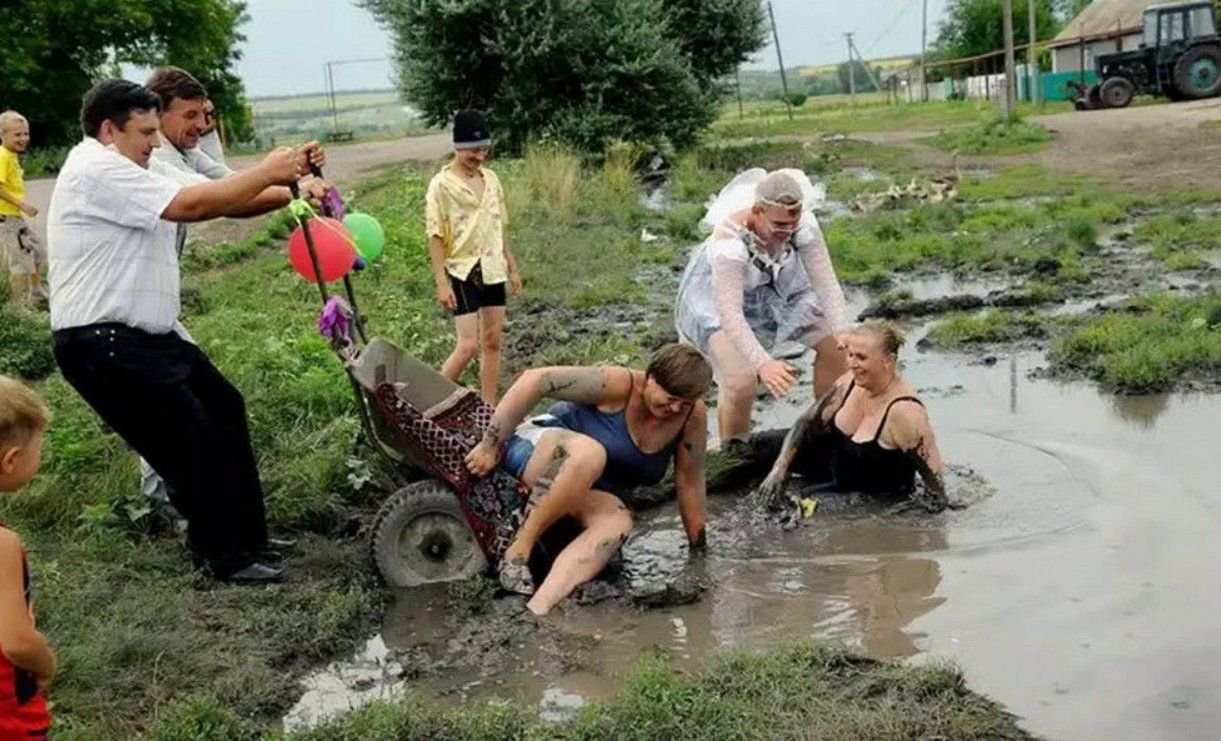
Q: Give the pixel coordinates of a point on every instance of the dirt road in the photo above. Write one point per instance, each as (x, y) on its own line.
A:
(1166, 146)
(343, 163)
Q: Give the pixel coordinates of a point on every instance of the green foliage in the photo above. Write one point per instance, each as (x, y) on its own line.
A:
(25, 343)
(582, 73)
(796, 100)
(202, 718)
(994, 136)
(1148, 344)
(987, 327)
(1181, 240)
(54, 51)
(974, 27)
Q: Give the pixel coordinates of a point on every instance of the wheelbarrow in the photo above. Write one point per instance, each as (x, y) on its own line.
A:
(446, 524)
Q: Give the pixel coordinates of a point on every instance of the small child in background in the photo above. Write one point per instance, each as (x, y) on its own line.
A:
(20, 250)
(27, 663)
(466, 220)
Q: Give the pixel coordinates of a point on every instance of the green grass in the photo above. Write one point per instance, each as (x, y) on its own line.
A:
(993, 136)
(802, 691)
(25, 341)
(1012, 237)
(1149, 344)
(1181, 240)
(988, 327)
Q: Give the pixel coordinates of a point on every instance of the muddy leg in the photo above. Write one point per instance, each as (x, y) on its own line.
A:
(580, 462)
(466, 349)
(607, 523)
(736, 386)
(830, 363)
(491, 324)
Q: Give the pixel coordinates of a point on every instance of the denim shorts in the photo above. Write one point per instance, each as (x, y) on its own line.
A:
(517, 454)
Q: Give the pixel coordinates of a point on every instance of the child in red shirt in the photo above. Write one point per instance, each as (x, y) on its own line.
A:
(27, 663)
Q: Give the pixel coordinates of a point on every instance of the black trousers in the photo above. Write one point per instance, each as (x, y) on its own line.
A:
(164, 397)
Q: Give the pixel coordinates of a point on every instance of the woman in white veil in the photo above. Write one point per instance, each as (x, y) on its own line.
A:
(760, 289)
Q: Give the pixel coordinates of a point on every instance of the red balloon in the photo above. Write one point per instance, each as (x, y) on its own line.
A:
(332, 242)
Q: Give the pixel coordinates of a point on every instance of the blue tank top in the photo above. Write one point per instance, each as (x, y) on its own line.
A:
(627, 466)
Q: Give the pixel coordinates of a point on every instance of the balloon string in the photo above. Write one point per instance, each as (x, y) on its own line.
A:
(301, 210)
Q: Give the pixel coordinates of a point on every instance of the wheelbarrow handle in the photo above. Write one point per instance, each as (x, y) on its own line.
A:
(309, 247)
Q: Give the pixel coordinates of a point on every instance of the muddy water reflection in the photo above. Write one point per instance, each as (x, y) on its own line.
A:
(1082, 592)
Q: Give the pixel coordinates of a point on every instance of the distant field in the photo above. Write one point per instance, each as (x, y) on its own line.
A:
(279, 106)
(368, 113)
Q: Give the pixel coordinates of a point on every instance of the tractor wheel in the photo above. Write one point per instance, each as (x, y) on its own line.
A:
(1197, 74)
(1094, 96)
(1117, 92)
(420, 536)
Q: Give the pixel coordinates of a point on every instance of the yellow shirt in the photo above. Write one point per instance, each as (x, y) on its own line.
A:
(471, 228)
(12, 181)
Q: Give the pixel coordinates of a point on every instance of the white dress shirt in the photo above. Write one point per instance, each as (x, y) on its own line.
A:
(111, 256)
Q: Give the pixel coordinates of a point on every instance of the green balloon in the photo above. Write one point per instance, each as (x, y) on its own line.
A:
(368, 235)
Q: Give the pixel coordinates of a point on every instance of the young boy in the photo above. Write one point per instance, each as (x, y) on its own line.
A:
(465, 218)
(19, 248)
(26, 661)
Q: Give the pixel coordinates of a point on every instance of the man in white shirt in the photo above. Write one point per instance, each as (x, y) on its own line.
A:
(114, 280)
(183, 117)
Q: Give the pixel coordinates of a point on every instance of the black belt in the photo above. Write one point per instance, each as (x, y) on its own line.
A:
(101, 329)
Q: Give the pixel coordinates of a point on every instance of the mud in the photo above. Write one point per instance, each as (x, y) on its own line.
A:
(1078, 588)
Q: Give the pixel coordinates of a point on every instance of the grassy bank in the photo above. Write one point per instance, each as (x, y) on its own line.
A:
(799, 692)
(1144, 345)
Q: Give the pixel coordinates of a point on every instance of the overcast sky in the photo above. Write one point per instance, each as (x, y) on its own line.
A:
(288, 41)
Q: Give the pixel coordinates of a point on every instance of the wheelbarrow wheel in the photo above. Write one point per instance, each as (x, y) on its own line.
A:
(420, 536)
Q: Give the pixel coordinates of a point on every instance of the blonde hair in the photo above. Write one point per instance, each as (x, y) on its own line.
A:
(887, 334)
(22, 413)
(10, 117)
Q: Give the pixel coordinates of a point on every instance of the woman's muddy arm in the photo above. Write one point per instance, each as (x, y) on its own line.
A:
(690, 478)
(914, 435)
(568, 383)
(812, 422)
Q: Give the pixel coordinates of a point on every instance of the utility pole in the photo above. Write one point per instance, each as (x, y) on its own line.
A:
(1032, 54)
(851, 70)
(924, 51)
(1010, 63)
(872, 77)
(737, 76)
(784, 81)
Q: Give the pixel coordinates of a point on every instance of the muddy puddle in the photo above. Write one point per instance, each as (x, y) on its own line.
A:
(1079, 588)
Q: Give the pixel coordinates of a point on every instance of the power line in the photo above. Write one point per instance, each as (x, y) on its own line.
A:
(894, 24)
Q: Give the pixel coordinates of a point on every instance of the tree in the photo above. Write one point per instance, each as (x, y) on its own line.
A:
(973, 27)
(585, 72)
(860, 76)
(56, 49)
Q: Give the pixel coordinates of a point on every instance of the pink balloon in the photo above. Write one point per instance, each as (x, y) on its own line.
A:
(332, 242)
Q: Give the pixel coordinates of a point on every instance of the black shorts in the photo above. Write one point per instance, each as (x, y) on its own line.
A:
(473, 294)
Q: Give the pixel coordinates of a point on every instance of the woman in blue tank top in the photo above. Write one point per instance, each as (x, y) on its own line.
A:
(613, 429)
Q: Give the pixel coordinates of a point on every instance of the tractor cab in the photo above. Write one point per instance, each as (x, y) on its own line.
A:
(1170, 29)
(1179, 57)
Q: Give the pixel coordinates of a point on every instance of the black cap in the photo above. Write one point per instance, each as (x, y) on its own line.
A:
(471, 130)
